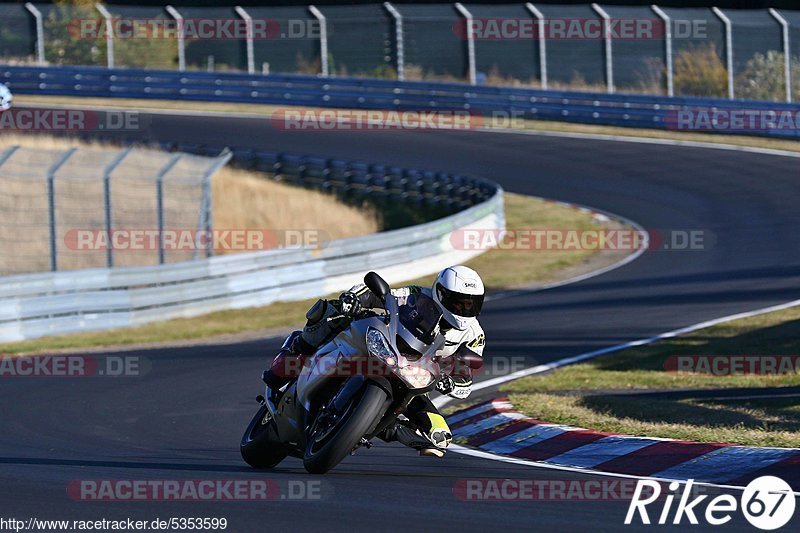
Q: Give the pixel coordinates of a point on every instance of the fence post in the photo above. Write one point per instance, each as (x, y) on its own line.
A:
(609, 55)
(7, 153)
(107, 201)
(181, 35)
(398, 39)
(109, 33)
(470, 42)
(668, 45)
(205, 209)
(323, 38)
(728, 48)
(160, 202)
(51, 205)
(542, 42)
(787, 51)
(39, 32)
(248, 20)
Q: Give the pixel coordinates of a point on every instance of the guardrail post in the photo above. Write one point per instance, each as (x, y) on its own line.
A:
(51, 205)
(542, 43)
(39, 32)
(181, 36)
(248, 20)
(787, 51)
(107, 200)
(399, 43)
(109, 33)
(323, 38)
(470, 42)
(728, 48)
(160, 202)
(668, 48)
(609, 55)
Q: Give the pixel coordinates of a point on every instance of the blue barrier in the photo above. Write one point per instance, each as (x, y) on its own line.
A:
(630, 110)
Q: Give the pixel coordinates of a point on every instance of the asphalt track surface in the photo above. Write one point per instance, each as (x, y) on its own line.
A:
(184, 418)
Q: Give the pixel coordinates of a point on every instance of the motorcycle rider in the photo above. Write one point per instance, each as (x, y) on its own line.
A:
(459, 292)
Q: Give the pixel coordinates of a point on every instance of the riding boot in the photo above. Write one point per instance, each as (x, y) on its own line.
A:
(411, 437)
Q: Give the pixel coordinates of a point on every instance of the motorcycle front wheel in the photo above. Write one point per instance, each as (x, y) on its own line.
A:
(331, 440)
(260, 446)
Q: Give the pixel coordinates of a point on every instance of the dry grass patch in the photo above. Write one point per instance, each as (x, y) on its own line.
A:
(247, 200)
(505, 269)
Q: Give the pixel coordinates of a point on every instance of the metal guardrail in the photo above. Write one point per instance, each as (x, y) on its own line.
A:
(84, 300)
(630, 110)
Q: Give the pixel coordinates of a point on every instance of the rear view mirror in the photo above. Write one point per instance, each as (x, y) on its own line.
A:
(377, 285)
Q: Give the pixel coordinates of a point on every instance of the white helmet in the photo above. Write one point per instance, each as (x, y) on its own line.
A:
(458, 291)
(5, 98)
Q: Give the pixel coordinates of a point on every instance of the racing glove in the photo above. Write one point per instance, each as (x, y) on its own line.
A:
(445, 385)
(350, 305)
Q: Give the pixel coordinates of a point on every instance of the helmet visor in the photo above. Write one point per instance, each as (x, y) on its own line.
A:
(460, 304)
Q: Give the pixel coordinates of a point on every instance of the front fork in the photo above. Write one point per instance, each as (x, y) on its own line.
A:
(268, 400)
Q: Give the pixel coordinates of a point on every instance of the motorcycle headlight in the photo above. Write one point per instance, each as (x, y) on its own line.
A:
(379, 347)
(416, 376)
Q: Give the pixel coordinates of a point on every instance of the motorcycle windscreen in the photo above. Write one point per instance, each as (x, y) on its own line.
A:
(420, 315)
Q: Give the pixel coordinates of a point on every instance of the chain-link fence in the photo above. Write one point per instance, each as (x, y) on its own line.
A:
(65, 209)
(680, 51)
(17, 34)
